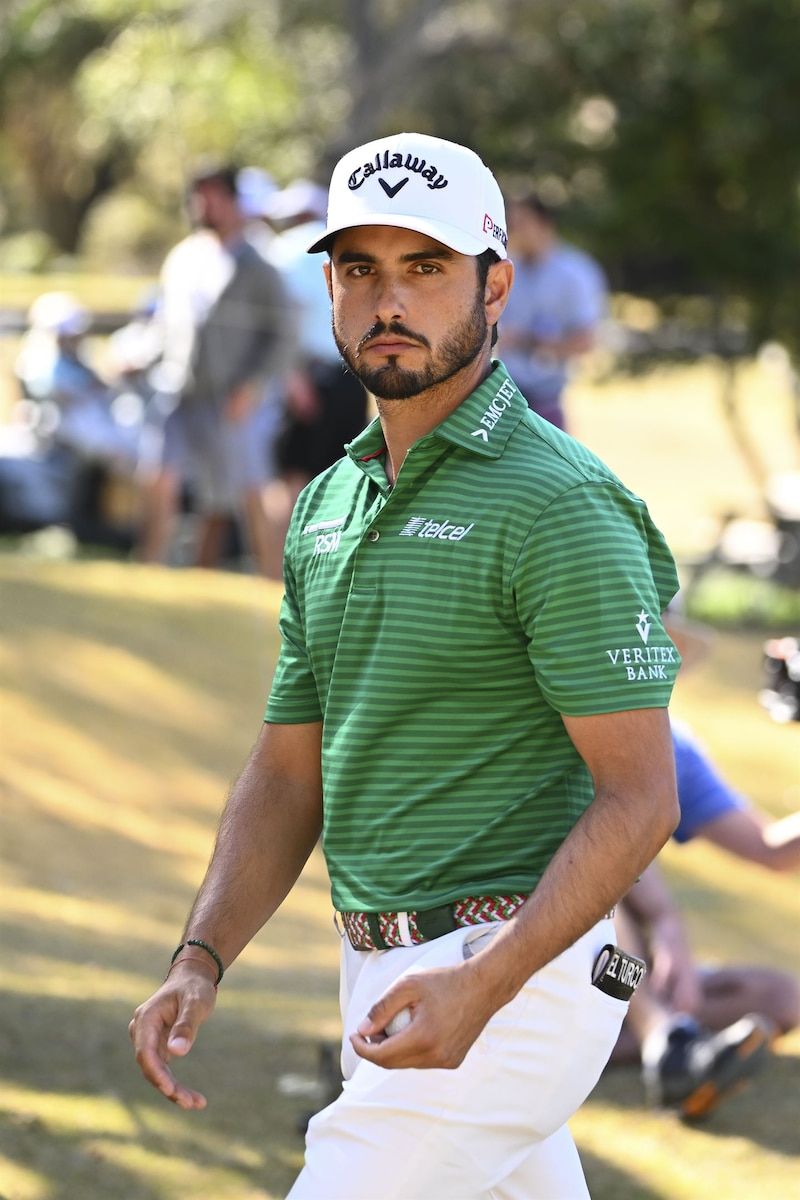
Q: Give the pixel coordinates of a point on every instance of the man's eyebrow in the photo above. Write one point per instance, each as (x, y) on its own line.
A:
(354, 256)
(441, 252)
(360, 256)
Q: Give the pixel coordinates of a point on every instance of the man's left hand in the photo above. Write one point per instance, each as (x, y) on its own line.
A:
(448, 1013)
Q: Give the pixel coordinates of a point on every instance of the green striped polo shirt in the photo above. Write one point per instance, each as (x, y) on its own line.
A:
(439, 628)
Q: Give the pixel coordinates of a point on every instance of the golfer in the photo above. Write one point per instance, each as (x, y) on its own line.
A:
(470, 705)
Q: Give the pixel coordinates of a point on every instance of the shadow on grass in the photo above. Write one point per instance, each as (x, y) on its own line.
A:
(607, 1182)
(761, 1112)
(77, 1114)
(107, 662)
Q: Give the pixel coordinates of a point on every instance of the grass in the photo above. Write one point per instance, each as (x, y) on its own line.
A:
(129, 697)
(666, 436)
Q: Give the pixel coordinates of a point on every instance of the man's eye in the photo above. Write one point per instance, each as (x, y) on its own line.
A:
(359, 270)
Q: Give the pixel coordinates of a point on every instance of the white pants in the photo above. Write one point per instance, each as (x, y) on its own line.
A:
(495, 1128)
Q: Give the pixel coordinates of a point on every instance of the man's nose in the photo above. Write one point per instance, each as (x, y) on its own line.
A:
(389, 301)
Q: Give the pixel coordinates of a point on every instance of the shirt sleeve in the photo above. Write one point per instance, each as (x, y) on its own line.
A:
(702, 792)
(589, 589)
(293, 699)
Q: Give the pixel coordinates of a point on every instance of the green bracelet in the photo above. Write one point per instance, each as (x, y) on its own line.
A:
(208, 949)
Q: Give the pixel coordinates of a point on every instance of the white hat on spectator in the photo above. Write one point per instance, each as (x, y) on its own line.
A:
(60, 314)
(300, 198)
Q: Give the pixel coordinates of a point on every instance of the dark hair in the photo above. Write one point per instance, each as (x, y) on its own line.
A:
(484, 261)
(224, 175)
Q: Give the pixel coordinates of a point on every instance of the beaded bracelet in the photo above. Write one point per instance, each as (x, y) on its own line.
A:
(208, 949)
(187, 958)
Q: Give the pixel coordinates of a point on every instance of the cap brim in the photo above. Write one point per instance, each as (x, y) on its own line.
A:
(448, 235)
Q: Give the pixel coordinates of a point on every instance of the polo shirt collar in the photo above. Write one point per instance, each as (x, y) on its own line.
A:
(482, 423)
(485, 421)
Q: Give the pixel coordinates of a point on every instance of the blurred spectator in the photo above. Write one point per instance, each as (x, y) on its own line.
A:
(325, 406)
(72, 447)
(226, 331)
(133, 350)
(556, 303)
(256, 190)
(54, 372)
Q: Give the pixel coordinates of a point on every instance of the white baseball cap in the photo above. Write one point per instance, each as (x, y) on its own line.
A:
(414, 181)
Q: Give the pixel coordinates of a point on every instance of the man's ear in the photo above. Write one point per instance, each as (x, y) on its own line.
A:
(499, 279)
(326, 266)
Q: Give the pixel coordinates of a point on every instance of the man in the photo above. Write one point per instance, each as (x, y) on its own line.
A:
(700, 1033)
(225, 332)
(475, 675)
(558, 299)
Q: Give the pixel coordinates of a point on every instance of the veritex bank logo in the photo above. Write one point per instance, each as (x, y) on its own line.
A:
(645, 662)
(442, 531)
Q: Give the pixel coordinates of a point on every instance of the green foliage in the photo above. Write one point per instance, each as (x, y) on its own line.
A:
(103, 93)
(127, 232)
(664, 132)
(30, 251)
(49, 169)
(726, 598)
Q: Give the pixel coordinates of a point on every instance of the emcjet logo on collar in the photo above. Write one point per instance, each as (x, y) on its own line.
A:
(500, 402)
(392, 161)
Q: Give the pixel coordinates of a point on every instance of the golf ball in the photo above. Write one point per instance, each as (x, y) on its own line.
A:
(399, 1021)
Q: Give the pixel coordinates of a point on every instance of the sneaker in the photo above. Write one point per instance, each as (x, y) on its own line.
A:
(686, 1066)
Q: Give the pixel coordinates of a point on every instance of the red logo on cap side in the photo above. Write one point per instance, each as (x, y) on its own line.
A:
(490, 226)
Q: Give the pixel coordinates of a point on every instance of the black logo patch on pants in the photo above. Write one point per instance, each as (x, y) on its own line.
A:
(617, 973)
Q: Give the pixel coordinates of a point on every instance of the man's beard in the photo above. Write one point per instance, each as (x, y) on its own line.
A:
(393, 382)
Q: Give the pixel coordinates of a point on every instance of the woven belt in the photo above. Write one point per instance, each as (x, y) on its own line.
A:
(382, 931)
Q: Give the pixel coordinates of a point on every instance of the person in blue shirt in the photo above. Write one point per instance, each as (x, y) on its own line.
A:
(702, 1032)
(557, 301)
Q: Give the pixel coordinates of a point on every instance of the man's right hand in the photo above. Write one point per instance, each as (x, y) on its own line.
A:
(166, 1025)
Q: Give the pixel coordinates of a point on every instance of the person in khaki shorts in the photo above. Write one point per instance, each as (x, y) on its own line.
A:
(470, 705)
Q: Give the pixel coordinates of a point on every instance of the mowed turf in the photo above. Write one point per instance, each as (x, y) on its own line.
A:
(129, 697)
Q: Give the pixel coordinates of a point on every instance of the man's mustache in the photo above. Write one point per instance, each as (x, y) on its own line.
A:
(396, 330)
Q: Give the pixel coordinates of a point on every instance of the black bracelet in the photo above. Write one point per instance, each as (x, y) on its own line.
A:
(208, 949)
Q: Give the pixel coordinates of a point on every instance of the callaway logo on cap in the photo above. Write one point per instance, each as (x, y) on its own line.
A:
(417, 182)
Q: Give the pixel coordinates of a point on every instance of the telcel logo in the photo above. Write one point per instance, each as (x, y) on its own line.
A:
(443, 531)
